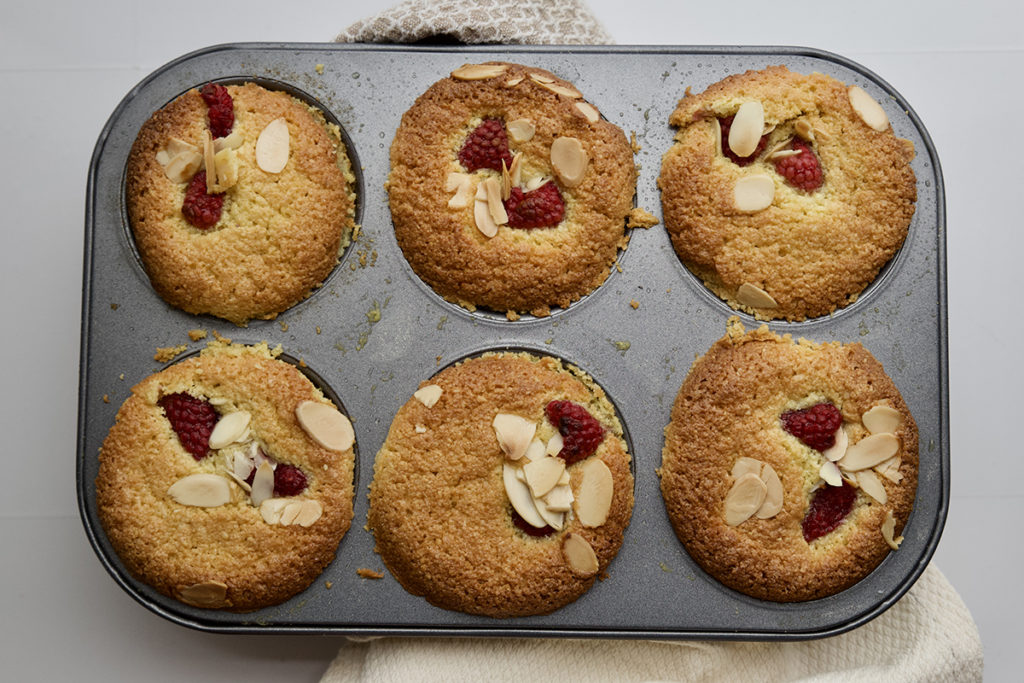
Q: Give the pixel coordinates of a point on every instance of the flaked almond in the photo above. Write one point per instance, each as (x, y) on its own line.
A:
(477, 72)
(589, 112)
(242, 467)
(492, 186)
(162, 157)
(778, 147)
(206, 594)
(579, 555)
(483, 219)
(773, 493)
(746, 129)
(232, 140)
(564, 479)
(201, 490)
(559, 499)
(566, 90)
(890, 469)
(181, 167)
(535, 451)
(882, 419)
(271, 509)
(290, 512)
(541, 78)
(804, 130)
(521, 130)
(872, 485)
(462, 185)
(869, 110)
(783, 154)
(514, 434)
(870, 451)
(831, 474)
(208, 163)
(176, 146)
(428, 395)
(555, 444)
(746, 466)
(515, 171)
(543, 474)
(889, 530)
(262, 484)
(753, 193)
(569, 160)
(744, 499)
(594, 498)
(533, 183)
(230, 428)
(838, 449)
(272, 146)
(506, 182)
(311, 511)
(716, 128)
(754, 296)
(325, 425)
(519, 495)
(514, 81)
(226, 164)
(553, 518)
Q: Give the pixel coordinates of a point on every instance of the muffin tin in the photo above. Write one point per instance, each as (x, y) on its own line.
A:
(374, 331)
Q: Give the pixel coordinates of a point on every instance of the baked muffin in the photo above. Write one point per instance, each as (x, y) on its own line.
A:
(798, 221)
(226, 481)
(261, 233)
(503, 487)
(789, 468)
(546, 230)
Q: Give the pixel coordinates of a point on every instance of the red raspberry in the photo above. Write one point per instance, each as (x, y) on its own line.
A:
(192, 419)
(528, 528)
(815, 426)
(829, 508)
(726, 123)
(802, 171)
(288, 481)
(486, 147)
(220, 109)
(540, 208)
(200, 209)
(581, 432)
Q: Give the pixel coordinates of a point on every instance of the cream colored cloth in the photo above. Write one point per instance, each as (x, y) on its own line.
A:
(929, 635)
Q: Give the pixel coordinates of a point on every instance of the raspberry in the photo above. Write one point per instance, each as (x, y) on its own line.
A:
(829, 508)
(220, 109)
(200, 209)
(486, 147)
(815, 426)
(802, 171)
(540, 208)
(288, 481)
(528, 528)
(581, 433)
(726, 123)
(192, 419)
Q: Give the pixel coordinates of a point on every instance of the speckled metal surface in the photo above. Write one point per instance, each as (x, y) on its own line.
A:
(374, 331)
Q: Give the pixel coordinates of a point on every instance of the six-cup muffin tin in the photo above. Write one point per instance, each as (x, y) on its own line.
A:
(374, 331)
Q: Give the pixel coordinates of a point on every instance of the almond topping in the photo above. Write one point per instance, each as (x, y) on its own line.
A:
(232, 140)
(594, 498)
(492, 186)
(744, 498)
(201, 490)
(716, 127)
(520, 130)
(229, 428)
(262, 484)
(746, 466)
(541, 78)
(462, 185)
(890, 469)
(589, 112)
(519, 495)
(754, 296)
(514, 81)
(569, 160)
(483, 219)
(243, 467)
(181, 167)
(566, 90)
(773, 493)
(555, 444)
(226, 164)
(311, 511)
(271, 509)
(272, 146)
(882, 419)
(804, 130)
(535, 182)
(889, 529)
(209, 163)
(747, 128)
(290, 512)
(838, 449)
(559, 499)
(514, 434)
(542, 475)
(477, 72)
(506, 182)
(515, 171)
(869, 111)
(753, 193)
(428, 395)
(205, 594)
(831, 474)
(579, 555)
(783, 154)
(535, 451)
(162, 157)
(870, 451)
(325, 425)
(872, 485)
(176, 146)
(553, 518)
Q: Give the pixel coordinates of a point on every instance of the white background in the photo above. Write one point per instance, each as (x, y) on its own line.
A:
(65, 65)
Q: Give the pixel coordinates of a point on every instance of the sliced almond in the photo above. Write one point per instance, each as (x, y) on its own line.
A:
(872, 485)
(462, 185)
(747, 129)
(209, 594)
(325, 425)
(242, 467)
(838, 449)
(477, 72)
(555, 444)
(870, 451)
(778, 147)
(232, 140)
(716, 128)
(514, 81)
(521, 130)
(869, 110)
(589, 112)
(514, 434)
(773, 493)
(594, 497)
(882, 419)
(553, 518)
(820, 132)
(579, 555)
(559, 499)
(754, 296)
(569, 160)
(229, 428)
(541, 78)
(890, 469)
(208, 163)
(181, 167)
(783, 154)
(226, 163)
(831, 474)
(889, 530)
(566, 90)
(746, 466)
(290, 512)
(311, 511)
(519, 495)
(535, 451)
(420, 429)
(262, 484)
(744, 499)
(753, 193)
(272, 146)
(176, 146)
(201, 490)
(428, 395)
(564, 479)
(515, 171)
(506, 182)
(271, 509)
(492, 186)
(483, 219)
(163, 157)
(804, 130)
(542, 475)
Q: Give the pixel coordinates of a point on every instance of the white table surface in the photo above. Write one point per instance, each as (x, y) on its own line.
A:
(64, 66)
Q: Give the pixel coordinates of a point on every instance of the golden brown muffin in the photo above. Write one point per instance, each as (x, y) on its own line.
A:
(763, 243)
(441, 501)
(434, 196)
(279, 234)
(189, 525)
(732, 427)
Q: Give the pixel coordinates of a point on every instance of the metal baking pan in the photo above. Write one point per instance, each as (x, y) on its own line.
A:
(374, 331)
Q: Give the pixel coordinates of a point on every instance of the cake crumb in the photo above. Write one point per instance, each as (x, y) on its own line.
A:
(221, 338)
(512, 315)
(318, 329)
(369, 573)
(121, 377)
(284, 326)
(319, 68)
(633, 143)
(328, 584)
(641, 218)
(618, 267)
(302, 363)
(635, 304)
(196, 335)
(114, 307)
(106, 398)
(167, 353)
